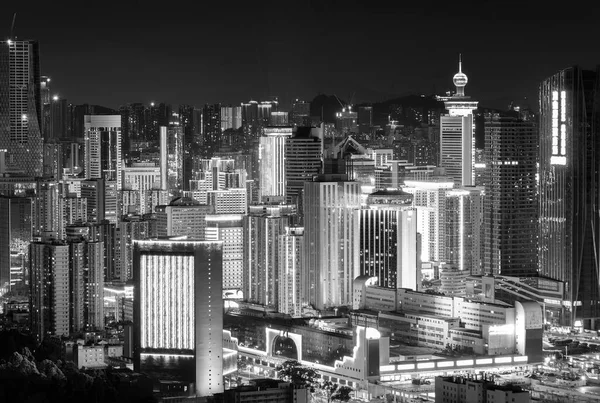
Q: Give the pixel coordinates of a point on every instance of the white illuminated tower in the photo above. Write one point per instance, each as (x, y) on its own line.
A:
(178, 312)
(271, 162)
(291, 271)
(229, 228)
(331, 240)
(103, 147)
(457, 133)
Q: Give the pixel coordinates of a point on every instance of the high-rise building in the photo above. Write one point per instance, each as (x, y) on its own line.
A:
(272, 162)
(15, 235)
(430, 201)
(229, 228)
(346, 121)
(140, 178)
(303, 159)
(300, 114)
(21, 107)
(231, 117)
(103, 157)
(175, 155)
(46, 214)
(93, 190)
(131, 228)
(178, 312)
(569, 157)
(463, 229)
(331, 240)
(511, 205)
(262, 227)
(49, 280)
(457, 147)
(183, 216)
(211, 121)
(291, 271)
(279, 119)
(388, 239)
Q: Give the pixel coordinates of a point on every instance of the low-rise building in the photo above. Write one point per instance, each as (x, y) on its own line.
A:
(452, 389)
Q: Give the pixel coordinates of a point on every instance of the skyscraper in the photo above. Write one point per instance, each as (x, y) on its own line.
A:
(103, 157)
(464, 220)
(457, 148)
(388, 239)
(330, 239)
(21, 106)
(303, 160)
(569, 160)
(272, 162)
(178, 312)
(15, 235)
(229, 228)
(510, 202)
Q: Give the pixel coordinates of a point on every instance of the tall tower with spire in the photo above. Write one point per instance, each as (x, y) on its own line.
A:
(457, 139)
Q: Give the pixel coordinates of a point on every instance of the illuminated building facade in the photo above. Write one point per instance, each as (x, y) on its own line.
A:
(231, 117)
(388, 239)
(183, 216)
(262, 227)
(15, 235)
(300, 113)
(272, 162)
(229, 229)
(429, 197)
(21, 112)
(131, 228)
(178, 312)
(511, 206)
(138, 180)
(457, 146)
(464, 220)
(46, 214)
(228, 201)
(175, 147)
(331, 240)
(103, 157)
(291, 271)
(569, 216)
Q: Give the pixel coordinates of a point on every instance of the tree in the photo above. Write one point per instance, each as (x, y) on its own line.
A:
(297, 374)
(333, 391)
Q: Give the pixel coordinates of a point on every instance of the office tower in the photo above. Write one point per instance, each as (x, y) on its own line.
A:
(229, 229)
(303, 159)
(46, 214)
(463, 232)
(365, 119)
(77, 273)
(262, 227)
(231, 117)
(250, 121)
(178, 312)
(211, 121)
(103, 157)
(511, 205)
(430, 201)
(272, 162)
(183, 216)
(279, 119)
(175, 144)
(228, 201)
(15, 235)
(346, 121)
(457, 140)
(264, 112)
(93, 190)
(569, 189)
(45, 97)
(291, 271)
(387, 231)
(190, 119)
(300, 113)
(49, 288)
(330, 239)
(55, 119)
(21, 111)
(131, 228)
(72, 210)
(140, 178)
(94, 284)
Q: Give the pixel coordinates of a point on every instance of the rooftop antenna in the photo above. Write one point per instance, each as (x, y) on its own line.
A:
(460, 62)
(12, 26)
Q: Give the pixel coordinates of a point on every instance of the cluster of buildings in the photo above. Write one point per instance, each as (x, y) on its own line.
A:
(166, 219)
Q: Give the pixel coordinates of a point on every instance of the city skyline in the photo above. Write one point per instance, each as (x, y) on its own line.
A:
(373, 52)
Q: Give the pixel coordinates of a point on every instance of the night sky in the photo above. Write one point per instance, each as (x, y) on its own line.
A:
(111, 53)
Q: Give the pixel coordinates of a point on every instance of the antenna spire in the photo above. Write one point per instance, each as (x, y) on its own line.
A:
(12, 26)
(460, 62)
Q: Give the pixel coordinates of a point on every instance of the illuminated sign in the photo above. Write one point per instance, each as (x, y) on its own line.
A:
(484, 361)
(385, 368)
(403, 367)
(425, 365)
(445, 364)
(522, 358)
(462, 363)
(503, 360)
(559, 133)
(502, 330)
